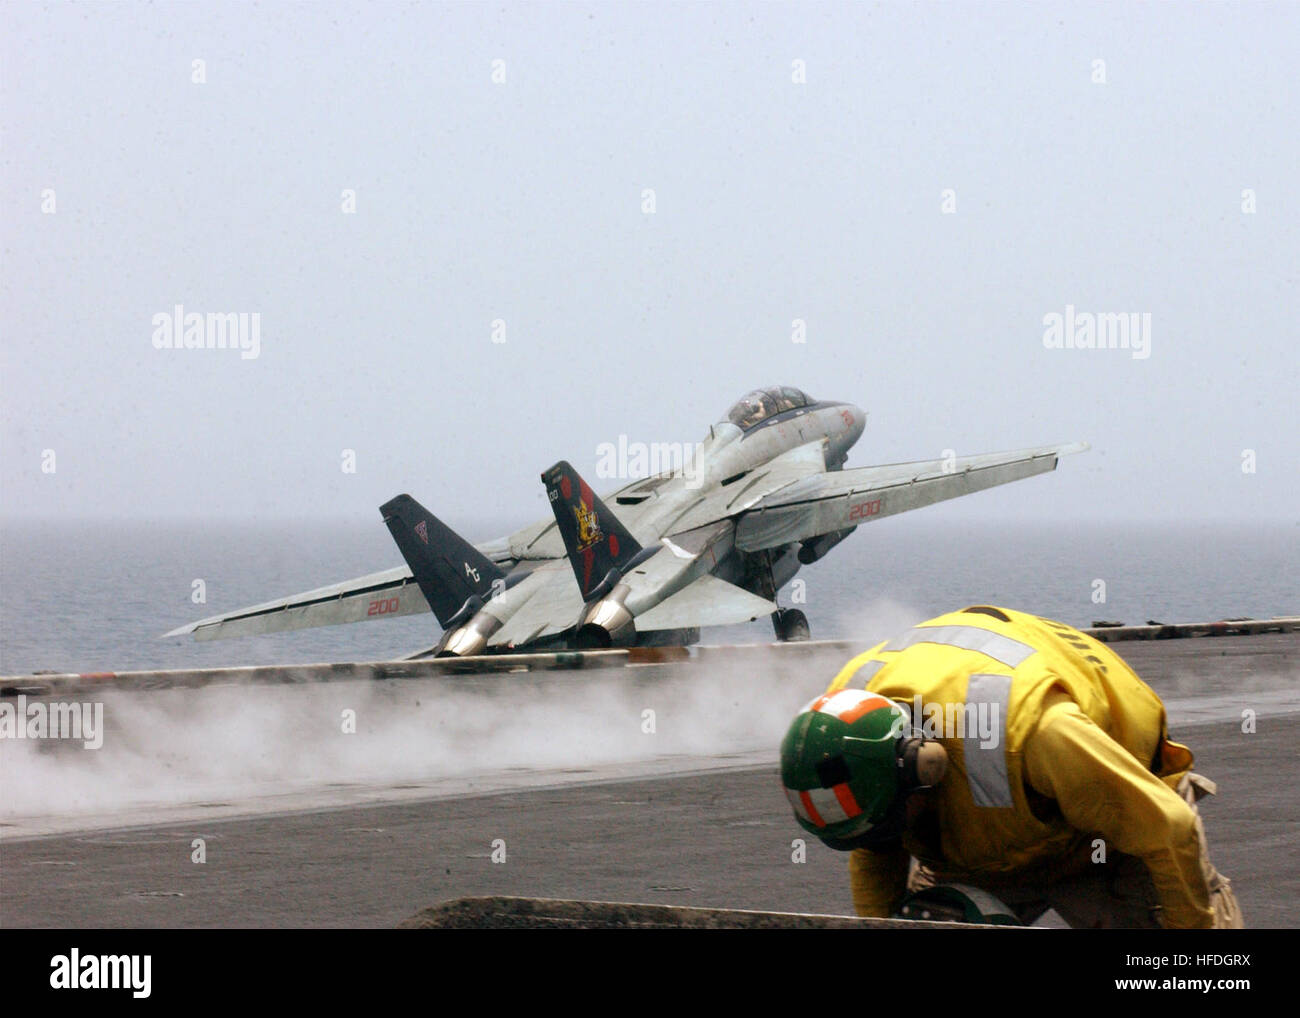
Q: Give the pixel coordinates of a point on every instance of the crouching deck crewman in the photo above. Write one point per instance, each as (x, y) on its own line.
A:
(999, 750)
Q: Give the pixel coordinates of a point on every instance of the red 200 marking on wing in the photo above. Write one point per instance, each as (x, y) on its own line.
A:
(865, 509)
(383, 607)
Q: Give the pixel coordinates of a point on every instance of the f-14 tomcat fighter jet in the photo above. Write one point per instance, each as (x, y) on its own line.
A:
(660, 557)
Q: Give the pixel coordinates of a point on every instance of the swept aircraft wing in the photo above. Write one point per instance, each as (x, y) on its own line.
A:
(842, 499)
(389, 593)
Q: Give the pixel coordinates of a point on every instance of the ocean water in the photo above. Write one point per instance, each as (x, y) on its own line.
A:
(96, 595)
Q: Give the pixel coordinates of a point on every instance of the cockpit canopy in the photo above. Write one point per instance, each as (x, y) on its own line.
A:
(761, 404)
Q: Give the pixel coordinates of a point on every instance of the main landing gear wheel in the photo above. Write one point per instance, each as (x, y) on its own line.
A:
(791, 625)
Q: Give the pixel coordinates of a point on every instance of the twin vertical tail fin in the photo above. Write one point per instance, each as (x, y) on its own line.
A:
(448, 568)
(596, 541)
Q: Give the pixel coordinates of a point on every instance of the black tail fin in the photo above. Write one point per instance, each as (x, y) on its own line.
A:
(448, 568)
(595, 539)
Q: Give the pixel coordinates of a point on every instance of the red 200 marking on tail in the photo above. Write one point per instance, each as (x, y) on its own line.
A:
(865, 509)
(383, 607)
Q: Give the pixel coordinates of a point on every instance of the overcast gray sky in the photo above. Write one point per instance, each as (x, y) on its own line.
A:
(920, 185)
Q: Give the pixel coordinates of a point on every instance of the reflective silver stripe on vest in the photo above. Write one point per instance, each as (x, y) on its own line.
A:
(868, 672)
(1001, 648)
(986, 765)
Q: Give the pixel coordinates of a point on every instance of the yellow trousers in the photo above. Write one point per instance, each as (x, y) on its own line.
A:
(1115, 895)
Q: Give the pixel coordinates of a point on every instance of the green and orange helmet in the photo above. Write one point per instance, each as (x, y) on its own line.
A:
(841, 767)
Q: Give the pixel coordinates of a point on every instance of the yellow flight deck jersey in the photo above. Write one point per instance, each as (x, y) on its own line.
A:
(1052, 742)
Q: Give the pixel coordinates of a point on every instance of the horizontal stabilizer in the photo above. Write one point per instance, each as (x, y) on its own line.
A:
(708, 601)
